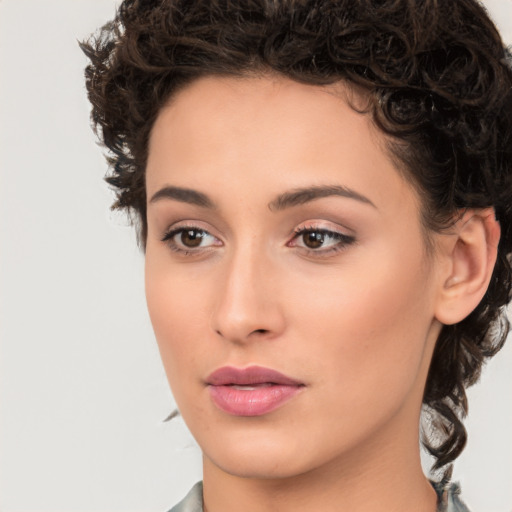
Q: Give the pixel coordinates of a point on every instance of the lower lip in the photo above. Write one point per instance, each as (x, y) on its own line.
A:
(252, 402)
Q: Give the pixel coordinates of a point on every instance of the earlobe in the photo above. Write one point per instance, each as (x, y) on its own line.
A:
(472, 253)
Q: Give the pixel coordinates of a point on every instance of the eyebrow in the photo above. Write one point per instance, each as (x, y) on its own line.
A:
(304, 195)
(184, 195)
(286, 200)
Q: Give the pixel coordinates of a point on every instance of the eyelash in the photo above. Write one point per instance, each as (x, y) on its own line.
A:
(343, 240)
(168, 239)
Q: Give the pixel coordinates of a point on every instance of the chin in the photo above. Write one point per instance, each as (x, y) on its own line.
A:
(261, 454)
(259, 466)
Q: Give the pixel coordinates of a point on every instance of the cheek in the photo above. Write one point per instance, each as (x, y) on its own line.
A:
(368, 324)
(176, 315)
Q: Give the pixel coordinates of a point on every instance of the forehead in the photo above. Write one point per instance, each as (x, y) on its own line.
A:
(222, 131)
(213, 99)
(247, 101)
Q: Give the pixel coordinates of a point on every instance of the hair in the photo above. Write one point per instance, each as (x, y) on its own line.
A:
(438, 82)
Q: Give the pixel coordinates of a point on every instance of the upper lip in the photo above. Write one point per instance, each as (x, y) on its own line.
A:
(229, 375)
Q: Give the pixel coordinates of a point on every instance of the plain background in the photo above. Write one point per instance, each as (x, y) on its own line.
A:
(82, 390)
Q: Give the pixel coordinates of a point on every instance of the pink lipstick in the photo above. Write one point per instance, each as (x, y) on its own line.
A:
(251, 391)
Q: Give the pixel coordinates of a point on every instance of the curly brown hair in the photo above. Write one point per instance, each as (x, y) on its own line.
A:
(439, 84)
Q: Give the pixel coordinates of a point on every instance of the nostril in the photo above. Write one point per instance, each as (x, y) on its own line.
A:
(256, 331)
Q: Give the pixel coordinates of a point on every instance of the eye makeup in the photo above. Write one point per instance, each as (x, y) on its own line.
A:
(188, 239)
(319, 241)
(314, 240)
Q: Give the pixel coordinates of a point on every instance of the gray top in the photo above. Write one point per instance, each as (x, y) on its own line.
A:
(192, 502)
(447, 493)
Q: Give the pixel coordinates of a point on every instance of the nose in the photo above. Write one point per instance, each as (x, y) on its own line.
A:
(247, 305)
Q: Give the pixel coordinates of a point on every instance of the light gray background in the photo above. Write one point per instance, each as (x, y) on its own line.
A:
(82, 391)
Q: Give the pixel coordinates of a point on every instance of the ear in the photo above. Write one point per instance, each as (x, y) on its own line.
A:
(471, 251)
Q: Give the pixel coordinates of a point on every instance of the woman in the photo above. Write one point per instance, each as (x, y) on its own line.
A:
(324, 194)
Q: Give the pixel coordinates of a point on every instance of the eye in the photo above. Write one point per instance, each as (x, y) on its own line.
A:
(321, 240)
(187, 239)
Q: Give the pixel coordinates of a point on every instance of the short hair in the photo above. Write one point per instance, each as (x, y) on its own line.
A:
(439, 85)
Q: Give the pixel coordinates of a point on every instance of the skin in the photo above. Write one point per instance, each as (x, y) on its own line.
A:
(355, 322)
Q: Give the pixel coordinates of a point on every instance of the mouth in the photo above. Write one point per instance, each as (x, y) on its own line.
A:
(252, 391)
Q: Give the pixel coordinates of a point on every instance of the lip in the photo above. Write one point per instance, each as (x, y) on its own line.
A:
(252, 391)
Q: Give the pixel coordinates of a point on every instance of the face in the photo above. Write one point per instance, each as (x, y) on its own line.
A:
(287, 278)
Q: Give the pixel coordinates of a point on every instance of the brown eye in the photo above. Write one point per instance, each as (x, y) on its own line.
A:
(321, 241)
(191, 237)
(313, 239)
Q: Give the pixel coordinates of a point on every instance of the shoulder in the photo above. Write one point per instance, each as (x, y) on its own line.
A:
(192, 502)
(448, 495)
